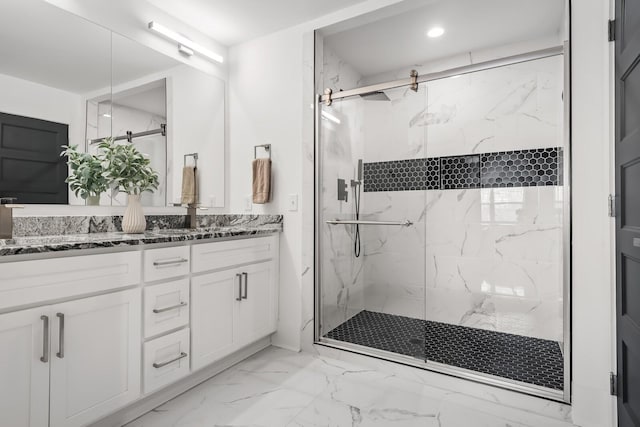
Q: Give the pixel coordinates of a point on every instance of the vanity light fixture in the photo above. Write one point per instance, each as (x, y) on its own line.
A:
(185, 44)
(435, 32)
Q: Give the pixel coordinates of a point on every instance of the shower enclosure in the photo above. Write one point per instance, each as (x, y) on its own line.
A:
(442, 219)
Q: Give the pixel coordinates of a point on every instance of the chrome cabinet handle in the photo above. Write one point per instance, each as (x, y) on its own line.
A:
(239, 276)
(45, 339)
(173, 307)
(170, 262)
(160, 365)
(246, 285)
(60, 352)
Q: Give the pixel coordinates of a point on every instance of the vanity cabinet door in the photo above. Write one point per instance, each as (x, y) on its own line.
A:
(257, 315)
(214, 301)
(24, 368)
(95, 357)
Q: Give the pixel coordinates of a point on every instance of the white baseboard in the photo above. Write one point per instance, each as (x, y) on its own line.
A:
(147, 403)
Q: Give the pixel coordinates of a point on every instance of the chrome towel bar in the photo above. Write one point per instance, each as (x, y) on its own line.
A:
(405, 223)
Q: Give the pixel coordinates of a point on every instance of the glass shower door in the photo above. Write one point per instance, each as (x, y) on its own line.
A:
(373, 181)
(494, 228)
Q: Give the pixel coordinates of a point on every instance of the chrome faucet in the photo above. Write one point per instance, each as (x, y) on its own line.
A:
(192, 212)
(6, 216)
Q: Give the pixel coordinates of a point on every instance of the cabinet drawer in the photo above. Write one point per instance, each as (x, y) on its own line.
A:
(166, 307)
(165, 263)
(218, 255)
(166, 359)
(29, 282)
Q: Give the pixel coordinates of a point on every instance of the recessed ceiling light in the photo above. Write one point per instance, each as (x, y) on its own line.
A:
(435, 32)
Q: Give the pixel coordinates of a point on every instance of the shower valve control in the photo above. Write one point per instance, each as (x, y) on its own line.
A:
(343, 195)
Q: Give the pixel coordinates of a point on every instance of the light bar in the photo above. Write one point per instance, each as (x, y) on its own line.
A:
(185, 42)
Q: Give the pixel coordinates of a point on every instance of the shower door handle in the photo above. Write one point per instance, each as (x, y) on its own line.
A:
(405, 223)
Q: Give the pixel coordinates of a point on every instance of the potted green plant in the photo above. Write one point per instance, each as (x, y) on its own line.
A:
(130, 172)
(86, 179)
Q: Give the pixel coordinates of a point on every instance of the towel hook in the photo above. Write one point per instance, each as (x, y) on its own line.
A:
(267, 148)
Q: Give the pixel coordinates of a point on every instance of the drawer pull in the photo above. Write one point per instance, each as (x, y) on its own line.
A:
(170, 262)
(45, 340)
(173, 307)
(239, 276)
(246, 285)
(60, 352)
(160, 365)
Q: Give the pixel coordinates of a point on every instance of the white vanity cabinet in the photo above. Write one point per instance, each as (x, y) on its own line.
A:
(237, 304)
(83, 337)
(95, 357)
(68, 364)
(24, 368)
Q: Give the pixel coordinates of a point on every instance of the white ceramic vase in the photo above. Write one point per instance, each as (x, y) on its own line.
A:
(134, 221)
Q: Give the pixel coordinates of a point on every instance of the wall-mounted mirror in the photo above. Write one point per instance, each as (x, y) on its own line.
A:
(67, 81)
(50, 61)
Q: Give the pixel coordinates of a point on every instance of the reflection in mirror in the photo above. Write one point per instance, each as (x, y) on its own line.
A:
(51, 61)
(138, 114)
(150, 90)
(67, 81)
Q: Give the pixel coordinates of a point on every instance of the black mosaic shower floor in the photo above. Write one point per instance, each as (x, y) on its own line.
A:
(530, 360)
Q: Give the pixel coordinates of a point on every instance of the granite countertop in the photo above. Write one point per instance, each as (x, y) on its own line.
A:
(56, 243)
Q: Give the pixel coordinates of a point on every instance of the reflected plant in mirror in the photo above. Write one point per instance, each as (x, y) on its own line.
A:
(87, 178)
(128, 169)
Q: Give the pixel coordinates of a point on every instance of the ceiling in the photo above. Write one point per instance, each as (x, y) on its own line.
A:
(232, 22)
(383, 41)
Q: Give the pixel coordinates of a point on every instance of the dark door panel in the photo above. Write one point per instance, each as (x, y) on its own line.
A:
(627, 62)
(31, 168)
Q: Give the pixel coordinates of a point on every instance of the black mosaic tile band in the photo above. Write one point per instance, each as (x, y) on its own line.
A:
(519, 358)
(402, 175)
(527, 168)
(460, 172)
(520, 168)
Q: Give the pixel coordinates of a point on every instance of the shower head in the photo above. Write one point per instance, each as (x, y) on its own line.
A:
(375, 96)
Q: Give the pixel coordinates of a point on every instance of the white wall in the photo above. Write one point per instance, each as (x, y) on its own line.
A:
(593, 285)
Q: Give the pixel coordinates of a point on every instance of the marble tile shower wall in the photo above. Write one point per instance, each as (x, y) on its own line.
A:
(493, 253)
(342, 278)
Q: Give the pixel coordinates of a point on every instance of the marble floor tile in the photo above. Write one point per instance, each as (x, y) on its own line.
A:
(278, 388)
